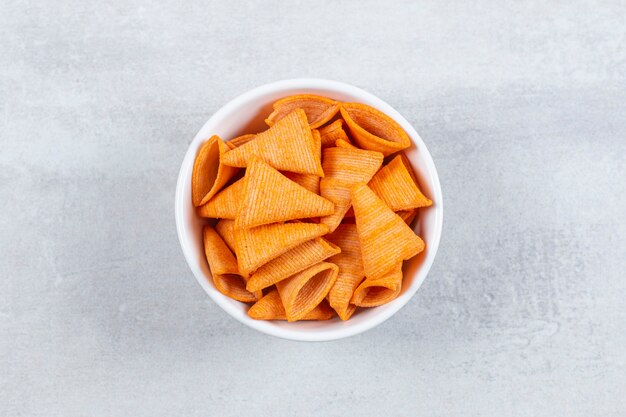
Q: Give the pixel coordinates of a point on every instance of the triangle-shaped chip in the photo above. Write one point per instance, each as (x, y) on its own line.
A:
(270, 307)
(225, 205)
(271, 197)
(288, 146)
(396, 185)
(386, 240)
(259, 245)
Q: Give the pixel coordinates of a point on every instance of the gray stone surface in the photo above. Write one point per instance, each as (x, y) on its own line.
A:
(522, 105)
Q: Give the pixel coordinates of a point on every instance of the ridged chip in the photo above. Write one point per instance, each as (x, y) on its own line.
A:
(226, 203)
(318, 109)
(386, 240)
(396, 186)
(374, 130)
(301, 292)
(289, 145)
(350, 269)
(224, 270)
(209, 172)
(271, 197)
(270, 307)
(379, 291)
(259, 245)
(291, 262)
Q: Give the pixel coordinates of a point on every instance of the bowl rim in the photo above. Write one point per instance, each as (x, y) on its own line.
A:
(312, 83)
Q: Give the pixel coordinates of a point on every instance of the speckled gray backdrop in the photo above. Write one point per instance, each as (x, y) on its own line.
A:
(522, 105)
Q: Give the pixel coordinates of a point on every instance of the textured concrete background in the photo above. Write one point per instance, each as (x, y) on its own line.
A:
(521, 105)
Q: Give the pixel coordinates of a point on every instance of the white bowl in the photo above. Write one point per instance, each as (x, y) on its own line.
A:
(245, 114)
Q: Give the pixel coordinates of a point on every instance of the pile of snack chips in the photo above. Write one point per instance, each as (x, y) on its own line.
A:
(309, 222)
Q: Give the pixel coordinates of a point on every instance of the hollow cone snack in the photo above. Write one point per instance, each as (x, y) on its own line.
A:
(271, 197)
(379, 291)
(226, 229)
(386, 240)
(397, 187)
(345, 167)
(303, 291)
(223, 266)
(333, 132)
(260, 245)
(291, 262)
(374, 130)
(287, 146)
(270, 307)
(226, 203)
(209, 173)
(318, 109)
(350, 269)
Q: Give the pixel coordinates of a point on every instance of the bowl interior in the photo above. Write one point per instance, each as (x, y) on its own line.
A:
(246, 114)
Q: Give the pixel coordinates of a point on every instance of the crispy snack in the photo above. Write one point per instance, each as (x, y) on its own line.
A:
(351, 164)
(374, 130)
(379, 291)
(385, 238)
(224, 269)
(289, 145)
(344, 167)
(338, 192)
(270, 307)
(350, 269)
(271, 197)
(226, 203)
(291, 262)
(259, 245)
(396, 186)
(303, 291)
(209, 173)
(333, 132)
(309, 181)
(318, 109)
(407, 215)
(226, 229)
(340, 143)
(240, 140)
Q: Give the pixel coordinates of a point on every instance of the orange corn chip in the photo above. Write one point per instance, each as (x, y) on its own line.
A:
(379, 291)
(260, 245)
(209, 173)
(374, 130)
(351, 164)
(226, 229)
(338, 192)
(332, 133)
(350, 269)
(271, 197)
(225, 204)
(345, 144)
(303, 291)
(291, 262)
(289, 145)
(385, 239)
(224, 269)
(407, 215)
(349, 213)
(395, 186)
(345, 167)
(270, 307)
(318, 109)
(240, 140)
(309, 181)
